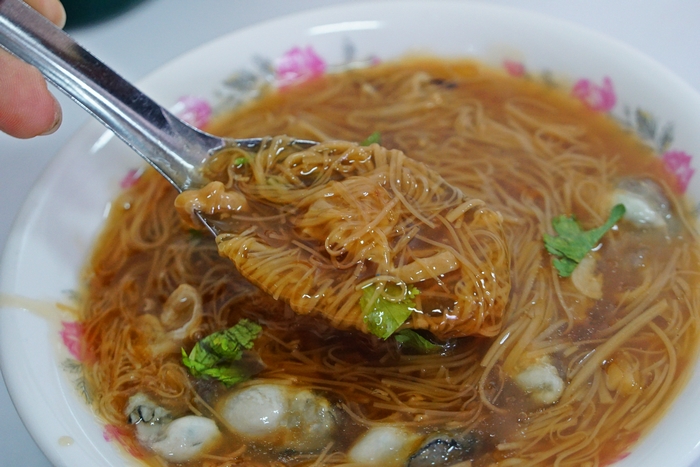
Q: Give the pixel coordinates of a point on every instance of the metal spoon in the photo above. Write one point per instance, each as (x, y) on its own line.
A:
(171, 146)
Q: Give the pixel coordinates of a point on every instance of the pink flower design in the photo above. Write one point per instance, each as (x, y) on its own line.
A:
(194, 110)
(112, 433)
(121, 436)
(678, 163)
(514, 68)
(600, 98)
(71, 335)
(130, 178)
(297, 65)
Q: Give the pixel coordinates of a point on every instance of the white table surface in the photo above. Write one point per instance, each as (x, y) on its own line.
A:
(156, 31)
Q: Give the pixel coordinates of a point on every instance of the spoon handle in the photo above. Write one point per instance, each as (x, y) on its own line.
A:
(174, 148)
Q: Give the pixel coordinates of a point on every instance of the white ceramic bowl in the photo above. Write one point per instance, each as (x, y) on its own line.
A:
(52, 238)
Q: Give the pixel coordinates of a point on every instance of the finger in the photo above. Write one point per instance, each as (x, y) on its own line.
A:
(27, 108)
(51, 9)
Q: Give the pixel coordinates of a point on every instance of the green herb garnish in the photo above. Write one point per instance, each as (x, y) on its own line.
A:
(412, 340)
(573, 243)
(375, 137)
(383, 316)
(214, 355)
(238, 161)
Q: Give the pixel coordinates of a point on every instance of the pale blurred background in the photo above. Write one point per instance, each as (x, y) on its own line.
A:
(137, 36)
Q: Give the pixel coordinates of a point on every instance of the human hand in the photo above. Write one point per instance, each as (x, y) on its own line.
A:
(27, 108)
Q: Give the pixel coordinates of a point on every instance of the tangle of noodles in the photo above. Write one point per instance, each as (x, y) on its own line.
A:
(620, 353)
(336, 218)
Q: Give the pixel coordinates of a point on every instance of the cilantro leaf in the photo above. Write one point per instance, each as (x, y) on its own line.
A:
(573, 243)
(375, 137)
(213, 355)
(411, 339)
(383, 316)
(229, 376)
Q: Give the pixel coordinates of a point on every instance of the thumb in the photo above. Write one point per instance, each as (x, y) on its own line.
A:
(27, 108)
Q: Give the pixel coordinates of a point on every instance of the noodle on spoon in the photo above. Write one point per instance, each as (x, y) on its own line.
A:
(362, 235)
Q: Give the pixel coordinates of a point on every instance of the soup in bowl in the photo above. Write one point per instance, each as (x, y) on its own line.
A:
(574, 173)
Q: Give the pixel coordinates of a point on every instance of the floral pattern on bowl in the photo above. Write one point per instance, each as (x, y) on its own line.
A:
(300, 64)
(601, 97)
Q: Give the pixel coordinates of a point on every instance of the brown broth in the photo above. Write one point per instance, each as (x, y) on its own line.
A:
(434, 111)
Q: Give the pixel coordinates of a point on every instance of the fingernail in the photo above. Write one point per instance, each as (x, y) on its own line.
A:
(61, 17)
(57, 119)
